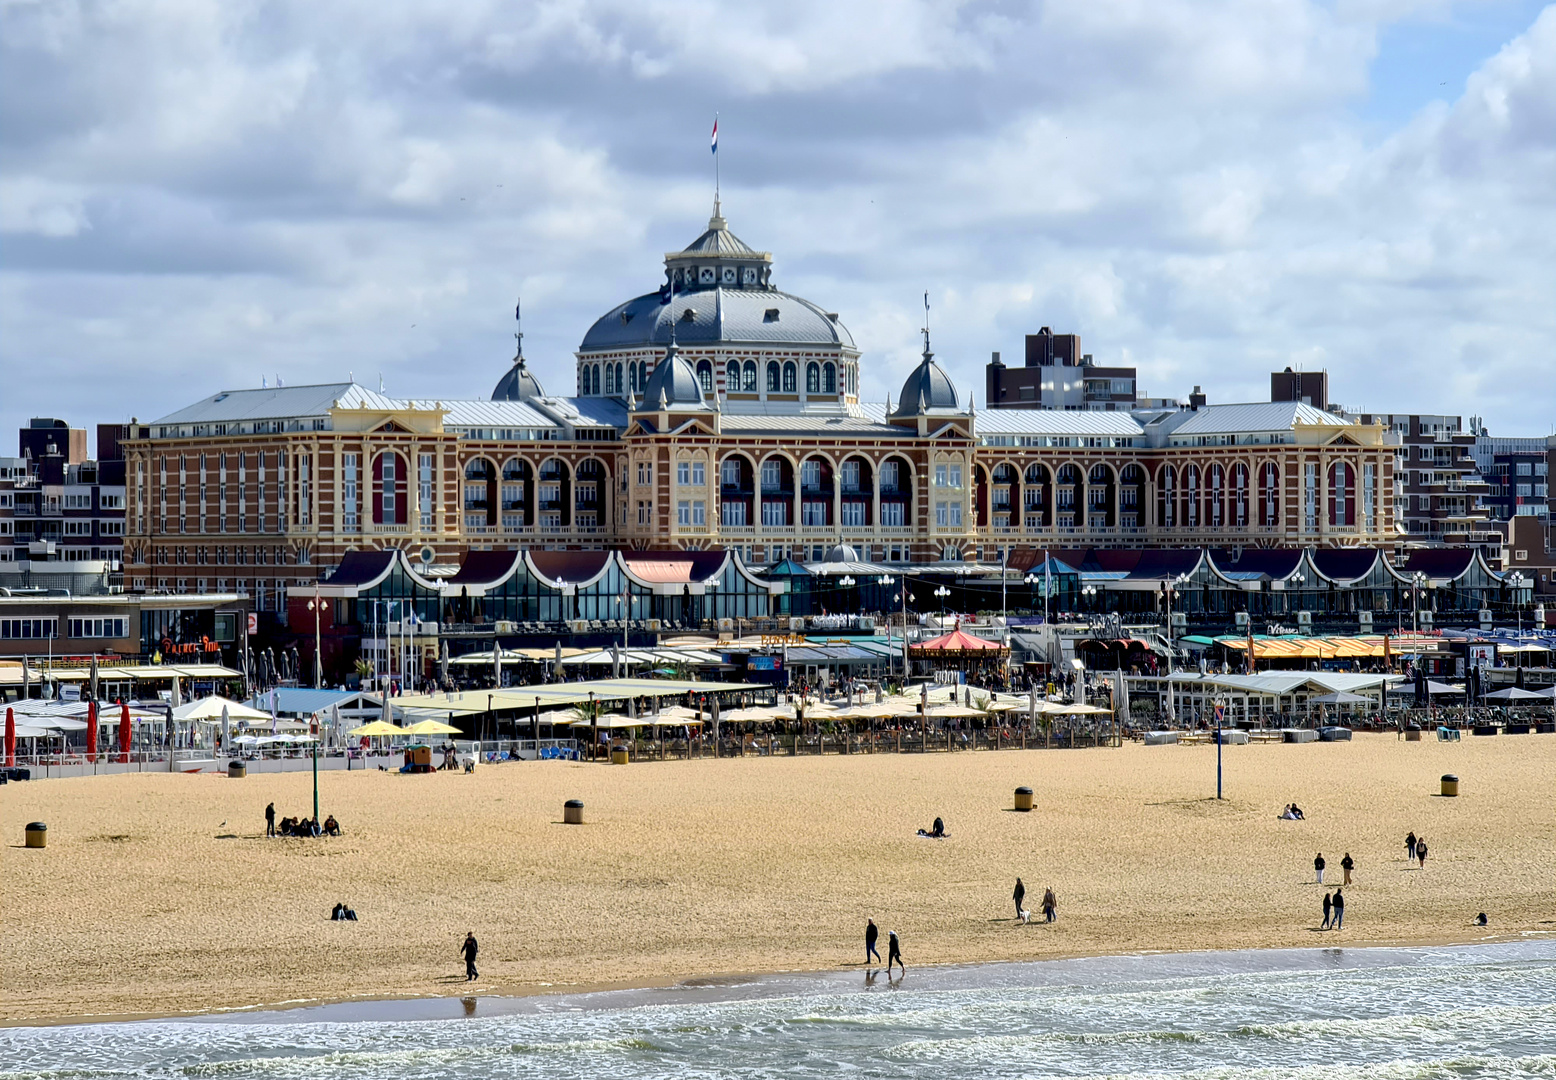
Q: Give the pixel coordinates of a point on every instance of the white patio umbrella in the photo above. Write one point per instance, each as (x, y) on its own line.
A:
(226, 728)
(1515, 693)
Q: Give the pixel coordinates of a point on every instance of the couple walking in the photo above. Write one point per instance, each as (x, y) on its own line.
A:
(1050, 904)
(1415, 850)
(893, 947)
(1334, 910)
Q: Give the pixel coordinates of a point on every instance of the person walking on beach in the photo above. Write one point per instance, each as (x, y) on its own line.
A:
(1019, 895)
(1328, 910)
(893, 953)
(270, 819)
(1318, 867)
(1421, 854)
(1347, 864)
(1050, 905)
(1410, 848)
(469, 949)
(871, 934)
(1339, 910)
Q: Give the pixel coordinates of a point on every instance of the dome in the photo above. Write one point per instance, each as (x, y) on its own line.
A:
(672, 383)
(519, 384)
(927, 389)
(843, 553)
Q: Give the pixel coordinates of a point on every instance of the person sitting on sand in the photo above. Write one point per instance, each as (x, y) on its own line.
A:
(1480, 920)
(338, 913)
(1296, 812)
(1288, 814)
(313, 827)
(331, 826)
(935, 831)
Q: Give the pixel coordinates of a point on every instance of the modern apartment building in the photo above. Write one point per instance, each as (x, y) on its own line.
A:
(1057, 375)
(1517, 473)
(61, 513)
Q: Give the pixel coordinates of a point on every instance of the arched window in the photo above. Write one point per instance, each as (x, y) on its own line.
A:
(791, 375)
(813, 378)
(1269, 494)
(620, 387)
(828, 379)
(1166, 496)
(705, 376)
(1240, 495)
(389, 489)
(772, 377)
(1191, 496)
(1342, 497)
(732, 376)
(1215, 496)
(610, 380)
(748, 383)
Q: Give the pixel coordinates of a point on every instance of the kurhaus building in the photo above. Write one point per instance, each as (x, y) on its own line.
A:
(720, 412)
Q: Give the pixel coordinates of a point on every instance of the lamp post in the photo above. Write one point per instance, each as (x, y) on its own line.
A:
(1089, 595)
(316, 605)
(846, 582)
(1418, 582)
(1172, 648)
(942, 592)
(1516, 579)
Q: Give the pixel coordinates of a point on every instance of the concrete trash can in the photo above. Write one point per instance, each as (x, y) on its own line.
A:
(618, 755)
(1023, 798)
(37, 834)
(237, 770)
(572, 812)
(1450, 786)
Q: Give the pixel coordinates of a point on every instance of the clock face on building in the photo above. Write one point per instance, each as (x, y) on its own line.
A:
(748, 275)
(707, 274)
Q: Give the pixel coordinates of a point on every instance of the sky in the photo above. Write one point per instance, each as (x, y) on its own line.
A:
(195, 196)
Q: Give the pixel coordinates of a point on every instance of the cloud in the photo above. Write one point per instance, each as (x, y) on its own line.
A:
(196, 193)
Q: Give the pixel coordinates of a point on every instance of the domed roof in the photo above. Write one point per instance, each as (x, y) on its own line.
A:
(842, 553)
(927, 389)
(672, 384)
(718, 316)
(519, 384)
(718, 240)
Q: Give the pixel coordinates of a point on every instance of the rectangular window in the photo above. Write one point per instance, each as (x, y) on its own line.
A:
(730, 472)
(643, 513)
(348, 491)
(97, 628)
(956, 515)
(772, 475)
(732, 513)
(891, 514)
(699, 474)
(1310, 496)
(1369, 496)
(110, 528)
(83, 501)
(956, 476)
(699, 512)
(849, 474)
(813, 512)
(810, 474)
(683, 512)
(645, 474)
(888, 476)
(942, 515)
(424, 488)
(775, 513)
(853, 514)
(940, 476)
(387, 487)
(305, 488)
(683, 473)
(549, 493)
(28, 629)
(110, 502)
(84, 528)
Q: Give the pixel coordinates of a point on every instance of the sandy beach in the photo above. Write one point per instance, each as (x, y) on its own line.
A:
(160, 894)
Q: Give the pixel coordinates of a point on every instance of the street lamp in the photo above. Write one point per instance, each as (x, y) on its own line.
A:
(1171, 587)
(1089, 595)
(316, 605)
(1516, 579)
(1418, 581)
(942, 592)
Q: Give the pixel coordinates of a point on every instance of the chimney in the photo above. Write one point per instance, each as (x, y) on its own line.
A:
(1197, 398)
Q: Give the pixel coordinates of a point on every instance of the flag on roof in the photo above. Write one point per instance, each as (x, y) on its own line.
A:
(715, 135)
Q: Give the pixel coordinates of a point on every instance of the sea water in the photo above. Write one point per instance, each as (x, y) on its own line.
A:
(1477, 1011)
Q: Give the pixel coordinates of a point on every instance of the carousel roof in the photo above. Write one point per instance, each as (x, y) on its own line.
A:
(957, 641)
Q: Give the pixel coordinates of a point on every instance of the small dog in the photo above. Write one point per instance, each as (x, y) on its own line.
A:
(1026, 916)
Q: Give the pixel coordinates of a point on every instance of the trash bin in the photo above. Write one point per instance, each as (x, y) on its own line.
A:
(1450, 786)
(618, 755)
(572, 812)
(1413, 733)
(237, 770)
(1023, 798)
(37, 834)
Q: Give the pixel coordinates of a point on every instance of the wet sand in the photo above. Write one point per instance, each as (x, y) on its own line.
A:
(159, 894)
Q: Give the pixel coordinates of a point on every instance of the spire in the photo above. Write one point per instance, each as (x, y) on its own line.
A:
(927, 353)
(663, 401)
(518, 328)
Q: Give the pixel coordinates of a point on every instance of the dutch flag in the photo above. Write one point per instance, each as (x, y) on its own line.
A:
(715, 135)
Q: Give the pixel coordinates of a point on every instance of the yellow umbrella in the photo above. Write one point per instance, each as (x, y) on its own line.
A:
(378, 727)
(424, 727)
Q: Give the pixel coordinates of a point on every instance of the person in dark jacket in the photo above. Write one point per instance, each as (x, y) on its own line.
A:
(469, 949)
(1328, 911)
(1050, 905)
(893, 953)
(1339, 910)
(1019, 895)
(1318, 867)
(1347, 864)
(1421, 853)
(871, 935)
(1410, 848)
(270, 820)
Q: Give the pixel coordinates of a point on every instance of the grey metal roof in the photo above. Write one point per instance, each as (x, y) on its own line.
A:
(1258, 416)
(1056, 422)
(478, 412)
(847, 426)
(588, 411)
(718, 240)
(673, 382)
(518, 383)
(720, 316)
(278, 403)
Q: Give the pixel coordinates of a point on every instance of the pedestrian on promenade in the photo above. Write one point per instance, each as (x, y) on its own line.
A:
(1019, 895)
(1410, 848)
(1050, 905)
(469, 949)
(1339, 910)
(270, 819)
(1328, 909)
(893, 953)
(1347, 864)
(871, 935)
(1318, 867)
(1421, 853)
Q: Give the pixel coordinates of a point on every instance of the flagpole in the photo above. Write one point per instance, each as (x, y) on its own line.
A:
(715, 158)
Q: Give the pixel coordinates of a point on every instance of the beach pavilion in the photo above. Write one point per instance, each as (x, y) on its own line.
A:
(1258, 699)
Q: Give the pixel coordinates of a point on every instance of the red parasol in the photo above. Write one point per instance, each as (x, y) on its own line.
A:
(91, 731)
(124, 731)
(10, 738)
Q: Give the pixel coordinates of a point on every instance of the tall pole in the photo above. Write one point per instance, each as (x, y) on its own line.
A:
(315, 769)
(1219, 713)
(318, 655)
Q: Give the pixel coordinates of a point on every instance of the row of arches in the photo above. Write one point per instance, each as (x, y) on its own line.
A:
(740, 377)
(612, 379)
(814, 491)
(521, 494)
